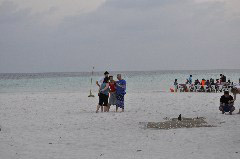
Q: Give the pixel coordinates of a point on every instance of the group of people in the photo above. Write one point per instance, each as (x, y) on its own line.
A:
(210, 85)
(111, 92)
(226, 100)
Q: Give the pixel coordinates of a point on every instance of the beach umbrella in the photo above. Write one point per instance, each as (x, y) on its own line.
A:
(91, 95)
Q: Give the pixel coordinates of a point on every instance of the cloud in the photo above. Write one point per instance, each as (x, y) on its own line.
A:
(122, 35)
(231, 7)
(53, 11)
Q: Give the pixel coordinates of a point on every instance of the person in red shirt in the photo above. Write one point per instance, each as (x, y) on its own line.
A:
(112, 86)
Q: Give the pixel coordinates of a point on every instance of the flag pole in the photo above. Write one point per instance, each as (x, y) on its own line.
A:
(91, 95)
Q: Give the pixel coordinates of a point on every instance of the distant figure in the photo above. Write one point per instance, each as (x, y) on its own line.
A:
(203, 82)
(208, 86)
(236, 90)
(121, 91)
(212, 85)
(175, 85)
(226, 103)
(212, 82)
(113, 98)
(103, 95)
(190, 79)
(217, 85)
(196, 85)
(196, 82)
(222, 79)
(100, 81)
(180, 117)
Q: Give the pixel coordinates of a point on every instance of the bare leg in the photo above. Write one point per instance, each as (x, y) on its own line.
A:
(108, 107)
(122, 109)
(98, 106)
(101, 108)
(105, 108)
(238, 112)
(116, 108)
(221, 109)
(235, 96)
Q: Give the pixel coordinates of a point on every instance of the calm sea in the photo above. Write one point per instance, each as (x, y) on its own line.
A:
(80, 82)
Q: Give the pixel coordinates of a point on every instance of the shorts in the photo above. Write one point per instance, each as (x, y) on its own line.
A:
(113, 98)
(103, 99)
(227, 108)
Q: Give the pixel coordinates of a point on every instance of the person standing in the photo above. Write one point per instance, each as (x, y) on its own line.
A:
(120, 92)
(236, 90)
(190, 79)
(100, 81)
(175, 85)
(103, 95)
(112, 86)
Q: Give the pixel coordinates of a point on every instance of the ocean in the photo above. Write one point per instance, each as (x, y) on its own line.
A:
(137, 81)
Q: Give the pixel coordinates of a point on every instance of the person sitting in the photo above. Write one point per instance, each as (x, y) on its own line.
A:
(226, 103)
(203, 82)
(208, 86)
(223, 79)
(212, 85)
(229, 84)
(217, 85)
(196, 85)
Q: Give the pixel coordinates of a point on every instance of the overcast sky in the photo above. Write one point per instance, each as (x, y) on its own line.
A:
(74, 35)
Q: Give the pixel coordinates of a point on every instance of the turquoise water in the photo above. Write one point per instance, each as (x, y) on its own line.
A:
(74, 82)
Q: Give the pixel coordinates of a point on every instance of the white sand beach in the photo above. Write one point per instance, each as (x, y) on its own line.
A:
(65, 126)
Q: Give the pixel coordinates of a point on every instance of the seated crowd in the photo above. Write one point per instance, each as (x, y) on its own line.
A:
(209, 85)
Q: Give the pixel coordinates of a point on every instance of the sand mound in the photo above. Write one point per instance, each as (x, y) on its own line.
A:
(174, 123)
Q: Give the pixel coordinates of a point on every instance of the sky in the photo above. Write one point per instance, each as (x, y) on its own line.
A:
(118, 35)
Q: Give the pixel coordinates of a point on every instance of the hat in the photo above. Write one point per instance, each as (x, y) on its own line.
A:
(105, 73)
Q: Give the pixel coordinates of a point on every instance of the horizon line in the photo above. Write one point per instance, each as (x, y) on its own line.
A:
(119, 71)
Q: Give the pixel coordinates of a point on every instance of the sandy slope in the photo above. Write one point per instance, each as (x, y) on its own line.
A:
(64, 126)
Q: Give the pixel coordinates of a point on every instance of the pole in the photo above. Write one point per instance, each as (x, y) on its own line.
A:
(91, 95)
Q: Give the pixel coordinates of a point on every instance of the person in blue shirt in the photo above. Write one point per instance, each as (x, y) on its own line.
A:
(190, 79)
(120, 92)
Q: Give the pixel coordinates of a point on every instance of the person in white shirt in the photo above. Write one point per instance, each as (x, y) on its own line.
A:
(100, 81)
